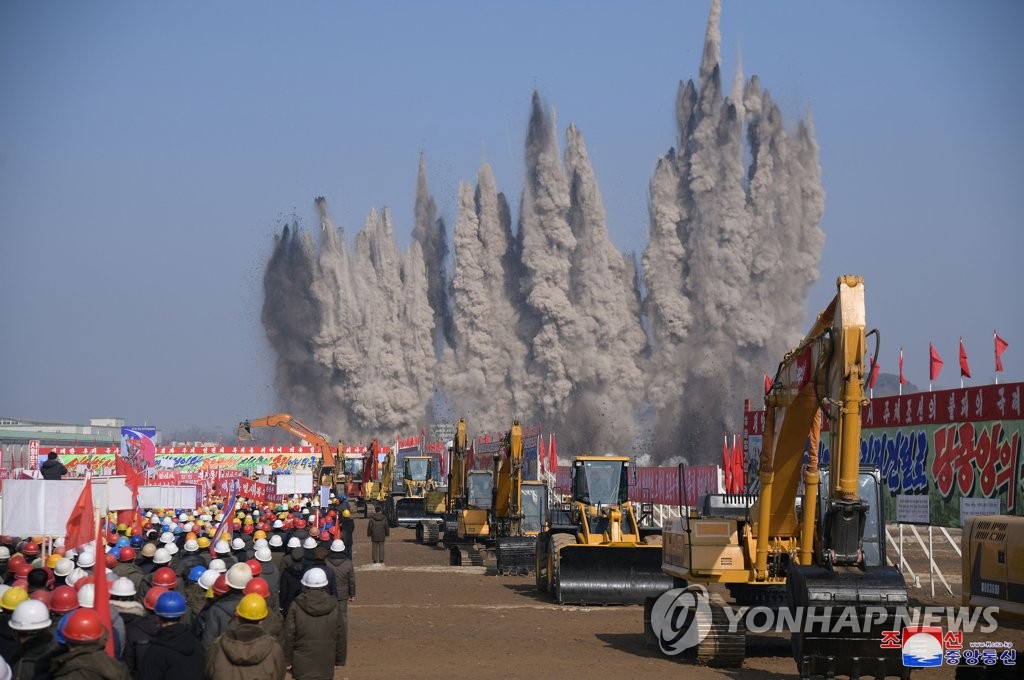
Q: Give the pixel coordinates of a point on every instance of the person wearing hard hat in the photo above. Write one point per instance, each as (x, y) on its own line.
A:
(123, 598)
(10, 600)
(161, 560)
(145, 559)
(215, 619)
(191, 558)
(126, 567)
(86, 658)
(140, 631)
(345, 585)
(271, 574)
(30, 624)
(246, 651)
(313, 635)
(347, 525)
(174, 652)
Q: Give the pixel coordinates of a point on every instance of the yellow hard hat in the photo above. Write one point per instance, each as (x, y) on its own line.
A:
(122, 526)
(203, 542)
(248, 520)
(346, 513)
(16, 595)
(252, 607)
(260, 533)
(52, 560)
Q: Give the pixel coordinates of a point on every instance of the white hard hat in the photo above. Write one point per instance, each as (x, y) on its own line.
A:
(5, 553)
(237, 544)
(276, 541)
(337, 545)
(218, 566)
(87, 596)
(173, 548)
(76, 575)
(182, 517)
(239, 575)
(309, 543)
(123, 587)
(87, 559)
(59, 543)
(314, 578)
(260, 543)
(294, 542)
(161, 556)
(30, 615)
(263, 554)
(221, 547)
(191, 545)
(63, 567)
(167, 537)
(208, 578)
(278, 524)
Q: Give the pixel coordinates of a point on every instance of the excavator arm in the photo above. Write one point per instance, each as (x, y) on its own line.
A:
(290, 424)
(457, 469)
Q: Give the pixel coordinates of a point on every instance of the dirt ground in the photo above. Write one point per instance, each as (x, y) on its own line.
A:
(419, 618)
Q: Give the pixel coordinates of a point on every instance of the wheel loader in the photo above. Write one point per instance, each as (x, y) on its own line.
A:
(824, 550)
(594, 550)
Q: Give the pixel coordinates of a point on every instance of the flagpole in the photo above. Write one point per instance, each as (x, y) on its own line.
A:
(995, 349)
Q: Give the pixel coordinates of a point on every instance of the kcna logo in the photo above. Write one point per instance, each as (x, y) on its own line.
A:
(681, 618)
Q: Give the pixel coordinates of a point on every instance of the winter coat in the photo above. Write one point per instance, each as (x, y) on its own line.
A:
(348, 527)
(270, 573)
(377, 528)
(88, 661)
(313, 635)
(131, 572)
(291, 581)
(8, 643)
(188, 561)
(52, 468)
(25, 661)
(195, 598)
(129, 610)
(138, 635)
(245, 653)
(174, 654)
(215, 619)
(272, 625)
(344, 576)
(146, 565)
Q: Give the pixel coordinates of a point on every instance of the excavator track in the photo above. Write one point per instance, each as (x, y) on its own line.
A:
(428, 533)
(469, 556)
(516, 555)
(719, 647)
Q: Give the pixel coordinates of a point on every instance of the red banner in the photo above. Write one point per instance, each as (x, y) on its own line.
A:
(661, 484)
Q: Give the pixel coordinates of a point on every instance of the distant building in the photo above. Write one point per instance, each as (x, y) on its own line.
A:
(17, 434)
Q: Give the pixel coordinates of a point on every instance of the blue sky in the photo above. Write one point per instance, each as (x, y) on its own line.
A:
(148, 153)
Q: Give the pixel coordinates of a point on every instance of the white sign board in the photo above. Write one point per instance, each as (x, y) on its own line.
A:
(301, 483)
(111, 493)
(969, 507)
(177, 497)
(33, 507)
(912, 509)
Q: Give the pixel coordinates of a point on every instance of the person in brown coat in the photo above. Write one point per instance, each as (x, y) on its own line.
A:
(377, 529)
(313, 635)
(246, 651)
(86, 658)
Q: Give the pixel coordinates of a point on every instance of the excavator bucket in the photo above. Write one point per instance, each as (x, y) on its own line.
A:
(410, 511)
(603, 574)
(245, 432)
(838, 649)
(516, 555)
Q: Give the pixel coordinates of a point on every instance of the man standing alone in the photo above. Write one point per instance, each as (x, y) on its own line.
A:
(53, 468)
(377, 530)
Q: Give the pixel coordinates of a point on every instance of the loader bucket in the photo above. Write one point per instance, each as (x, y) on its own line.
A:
(410, 511)
(833, 648)
(516, 555)
(601, 574)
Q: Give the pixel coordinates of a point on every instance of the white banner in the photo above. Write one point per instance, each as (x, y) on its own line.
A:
(912, 509)
(297, 483)
(175, 497)
(34, 507)
(111, 493)
(969, 507)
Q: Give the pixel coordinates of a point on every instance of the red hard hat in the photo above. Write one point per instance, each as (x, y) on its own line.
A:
(13, 563)
(83, 625)
(300, 523)
(247, 529)
(255, 566)
(324, 536)
(63, 599)
(22, 570)
(43, 595)
(236, 525)
(127, 554)
(152, 595)
(84, 580)
(259, 586)
(110, 560)
(30, 549)
(220, 586)
(164, 576)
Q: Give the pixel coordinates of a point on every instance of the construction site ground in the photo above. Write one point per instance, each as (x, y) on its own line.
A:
(417, 617)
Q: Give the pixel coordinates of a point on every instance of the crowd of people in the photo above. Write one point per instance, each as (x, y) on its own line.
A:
(267, 595)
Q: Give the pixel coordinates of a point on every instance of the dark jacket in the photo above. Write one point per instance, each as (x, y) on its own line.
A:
(245, 653)
(195, 598)
(24, 662)
(188, 561)
(53, 469)
(174, 654)
(270, 573)
(131, 572)
(377, 528)
(348, 528)
(215, 619)
(138, 635)
(88, 662)
(291, 581)
(344, 576)
(8, 643)
(313, 635)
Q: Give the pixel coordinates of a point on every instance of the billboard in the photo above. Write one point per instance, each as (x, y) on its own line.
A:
(138, 445)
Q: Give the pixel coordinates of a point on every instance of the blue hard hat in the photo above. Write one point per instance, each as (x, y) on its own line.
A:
(59, 634)
(123, 541)
(116, 552)
(176, 530)
(170, 605)
(136, 541)
(196, 572)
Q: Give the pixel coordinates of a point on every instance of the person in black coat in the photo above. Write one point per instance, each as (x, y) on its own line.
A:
(174, 652)
(53, 468)
(348, 527)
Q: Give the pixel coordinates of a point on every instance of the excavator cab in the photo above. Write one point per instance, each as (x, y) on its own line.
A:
(600, 482)
(407, 504)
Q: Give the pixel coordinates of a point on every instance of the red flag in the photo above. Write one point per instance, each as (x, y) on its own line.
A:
(965, 372)
(874, 376)
(737, 472)
(102, 591)
(80, 529)
(767, 384)
(471, 456)
(727, 464)
(131, 480)
(542, 455)
(935, 363)
(1001, 346)
(553, 455)
(903, 381)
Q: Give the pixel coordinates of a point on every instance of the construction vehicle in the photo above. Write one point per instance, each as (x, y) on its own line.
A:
(827, 549)
(406, 504)
(993, 564)
(351, 476)
(325, 472)
(378, 476)
(518, 509)
(465, 523)
(594, 550)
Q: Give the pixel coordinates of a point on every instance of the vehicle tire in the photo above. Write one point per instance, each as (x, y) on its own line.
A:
(558, 541)
(541, 563)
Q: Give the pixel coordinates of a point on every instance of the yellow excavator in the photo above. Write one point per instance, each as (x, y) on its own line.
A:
(518, 509)
(466, 518)
(594, 550)
(993, 564)
(377, 477)
(325, 472)
(826, 549)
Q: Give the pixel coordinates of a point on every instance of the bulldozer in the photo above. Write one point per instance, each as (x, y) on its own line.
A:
(824, 549)
(518, 508)
(325, 472)
(594, 551)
